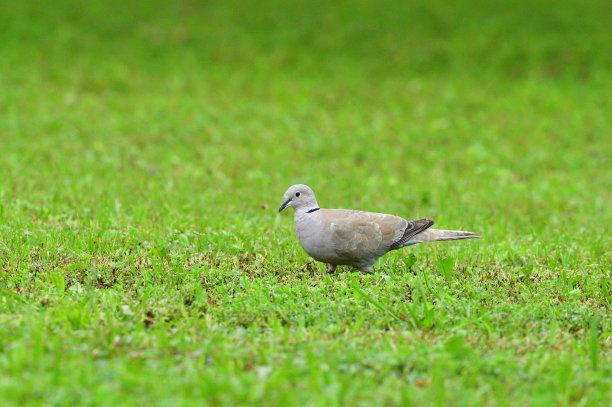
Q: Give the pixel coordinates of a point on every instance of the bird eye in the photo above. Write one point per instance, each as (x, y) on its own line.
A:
(297, 194)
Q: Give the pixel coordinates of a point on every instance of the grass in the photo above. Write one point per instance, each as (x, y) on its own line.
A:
(145, 148)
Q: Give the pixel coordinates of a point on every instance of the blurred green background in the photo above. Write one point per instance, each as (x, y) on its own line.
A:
(225, 97)
(145, 147)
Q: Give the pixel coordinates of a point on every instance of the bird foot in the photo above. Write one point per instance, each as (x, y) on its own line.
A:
(331, 268)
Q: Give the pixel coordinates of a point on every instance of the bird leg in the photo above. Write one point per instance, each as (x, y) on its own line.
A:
(365, 269)
(331, 268)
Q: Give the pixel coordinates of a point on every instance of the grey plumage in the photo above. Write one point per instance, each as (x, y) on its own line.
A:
(414, 228)
(356, 238)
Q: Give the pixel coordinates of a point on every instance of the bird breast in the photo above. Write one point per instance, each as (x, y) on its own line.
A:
(314, 238)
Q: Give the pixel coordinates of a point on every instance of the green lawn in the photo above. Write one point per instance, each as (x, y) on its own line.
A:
(145, 148)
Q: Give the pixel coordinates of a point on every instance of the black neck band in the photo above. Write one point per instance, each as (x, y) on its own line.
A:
(313, 210)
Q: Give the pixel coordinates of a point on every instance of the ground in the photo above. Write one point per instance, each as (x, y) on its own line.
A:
(145, 148)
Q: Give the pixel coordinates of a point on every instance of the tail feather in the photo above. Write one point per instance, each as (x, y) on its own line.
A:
(433, 235)
(414, 228)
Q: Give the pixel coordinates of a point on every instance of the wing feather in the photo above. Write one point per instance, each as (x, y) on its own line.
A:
(360, 235)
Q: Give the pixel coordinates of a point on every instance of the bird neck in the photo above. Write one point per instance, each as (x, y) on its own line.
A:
(307, 210)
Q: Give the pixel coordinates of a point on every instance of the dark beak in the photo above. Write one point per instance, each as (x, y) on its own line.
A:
(283, 206)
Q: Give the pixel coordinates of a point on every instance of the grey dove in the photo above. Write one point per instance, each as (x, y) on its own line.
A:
(355, 238)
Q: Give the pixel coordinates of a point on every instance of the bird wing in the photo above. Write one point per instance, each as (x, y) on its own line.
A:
(358, 235)
(413, 228)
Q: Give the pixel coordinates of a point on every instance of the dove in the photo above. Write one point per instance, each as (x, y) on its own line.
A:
(355, 238)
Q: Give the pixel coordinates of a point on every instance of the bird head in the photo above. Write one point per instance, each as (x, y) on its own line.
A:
(299, 196)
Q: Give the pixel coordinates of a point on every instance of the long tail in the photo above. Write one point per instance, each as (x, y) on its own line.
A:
(433, 235)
